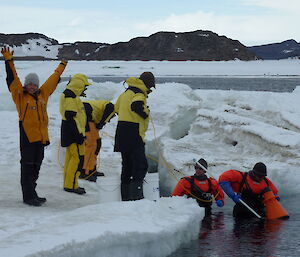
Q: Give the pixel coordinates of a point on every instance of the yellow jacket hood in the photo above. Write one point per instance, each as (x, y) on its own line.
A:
(135, 82)
(77, 83)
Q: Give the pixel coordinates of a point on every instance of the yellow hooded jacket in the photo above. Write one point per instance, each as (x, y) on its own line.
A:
(32, 109)
(70, 102)
(132, 125)
(98, 109)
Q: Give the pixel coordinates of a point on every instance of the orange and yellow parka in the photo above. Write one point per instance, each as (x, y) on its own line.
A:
(32, 109)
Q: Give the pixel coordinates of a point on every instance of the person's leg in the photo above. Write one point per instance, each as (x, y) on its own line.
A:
(39, 156)
(67, 161)
(126, 176)
(89, 150)
(72, 168)
(139, 170)
(207, 211)
(98, 173)
(28, 174)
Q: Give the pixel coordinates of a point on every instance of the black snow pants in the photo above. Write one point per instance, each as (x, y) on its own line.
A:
(32, 156)
(134, 169)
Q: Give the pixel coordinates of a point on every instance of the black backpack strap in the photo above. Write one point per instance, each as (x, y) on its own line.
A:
(244, 175)
(190, 179)
(209, 186)
(267, 182)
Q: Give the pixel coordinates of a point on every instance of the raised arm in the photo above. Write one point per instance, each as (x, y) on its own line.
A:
(51, 83)
(12, 79)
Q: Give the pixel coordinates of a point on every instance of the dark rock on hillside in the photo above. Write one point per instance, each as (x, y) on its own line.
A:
(197, 45)
(80, 50)
(20, 39)
(286, 49)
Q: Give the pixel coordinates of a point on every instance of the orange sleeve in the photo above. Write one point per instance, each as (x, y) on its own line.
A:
(273, 187)
(14, 84)
(183, 187)
(51, 83)
(217, 191)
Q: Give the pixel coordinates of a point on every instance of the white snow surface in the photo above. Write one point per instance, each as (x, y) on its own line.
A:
(37, 47)
(230, 129)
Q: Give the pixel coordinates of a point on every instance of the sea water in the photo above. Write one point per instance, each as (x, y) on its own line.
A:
(261, 83)
(222, 235)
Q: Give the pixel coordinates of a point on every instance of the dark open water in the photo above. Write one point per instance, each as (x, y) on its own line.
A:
(273, 84)
(222, 235)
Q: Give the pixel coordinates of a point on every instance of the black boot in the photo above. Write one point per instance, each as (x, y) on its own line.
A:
(92, 178)
(125, 194)
(136, 190)
(79, 190)
(33, 202)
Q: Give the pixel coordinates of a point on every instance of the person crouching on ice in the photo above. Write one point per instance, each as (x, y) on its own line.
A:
(31, 103)
(201, 188)
(248, 186)
(73, 131)
(98, 113)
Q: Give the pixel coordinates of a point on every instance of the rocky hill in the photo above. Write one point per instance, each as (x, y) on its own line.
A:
(286, 49)
(196, 45)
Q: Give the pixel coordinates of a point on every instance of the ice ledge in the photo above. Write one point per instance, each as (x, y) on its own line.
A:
(135, 228)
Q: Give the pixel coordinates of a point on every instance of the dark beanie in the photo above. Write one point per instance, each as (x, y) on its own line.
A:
(260, 169)
(148, 79)
(203, 163)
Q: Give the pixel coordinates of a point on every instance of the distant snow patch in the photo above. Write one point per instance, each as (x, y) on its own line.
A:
(97, 50)
(203, 35)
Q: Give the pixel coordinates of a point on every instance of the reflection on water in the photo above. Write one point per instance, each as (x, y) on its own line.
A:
(248, 237)
(222, 235)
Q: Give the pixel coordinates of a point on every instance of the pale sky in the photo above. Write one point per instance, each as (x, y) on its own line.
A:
(252, 22)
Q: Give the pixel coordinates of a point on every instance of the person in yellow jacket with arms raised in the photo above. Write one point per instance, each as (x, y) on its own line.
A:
(133, 119)
(31, 102)
(73, 131)
(98, 113)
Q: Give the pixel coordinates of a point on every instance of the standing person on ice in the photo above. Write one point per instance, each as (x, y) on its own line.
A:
(248, 186)
(133, 118)
(98, 113)
(201, 188)
(73, 131)
(31, 102)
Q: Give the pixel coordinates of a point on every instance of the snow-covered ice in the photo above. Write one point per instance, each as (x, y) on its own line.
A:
(230, 129)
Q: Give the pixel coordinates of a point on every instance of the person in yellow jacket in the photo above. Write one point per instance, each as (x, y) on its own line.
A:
(98, 113)
(73, 131)
(31, 103)
(133, 119)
